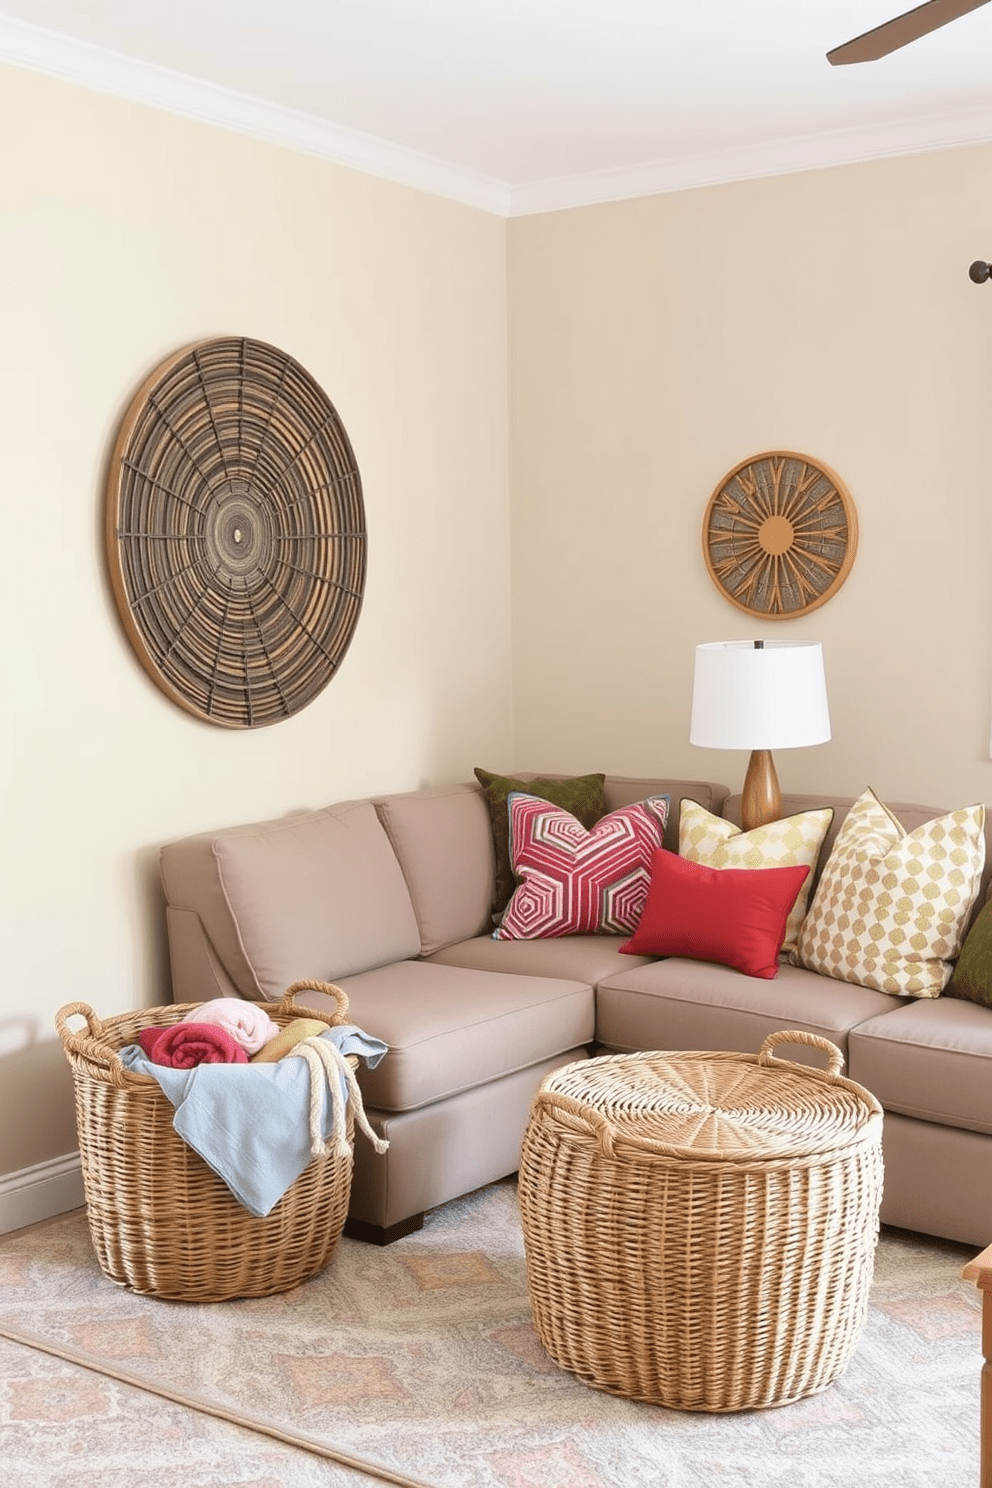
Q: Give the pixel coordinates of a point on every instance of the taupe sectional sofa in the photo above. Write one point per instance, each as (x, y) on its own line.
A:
(391, 898)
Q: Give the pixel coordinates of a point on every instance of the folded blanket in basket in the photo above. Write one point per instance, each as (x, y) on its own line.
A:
(182, 1045)
(250, 1122)
(248, 1024)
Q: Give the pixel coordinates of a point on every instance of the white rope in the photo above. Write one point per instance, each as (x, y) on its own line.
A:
(327, 1065)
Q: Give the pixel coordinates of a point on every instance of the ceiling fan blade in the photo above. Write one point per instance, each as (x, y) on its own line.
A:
(901, 30)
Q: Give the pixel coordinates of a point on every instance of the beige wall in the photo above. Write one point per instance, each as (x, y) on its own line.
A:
(124, 234)
(653, 344)
(657, 343)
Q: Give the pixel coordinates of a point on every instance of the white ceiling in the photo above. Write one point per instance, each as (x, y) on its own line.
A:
(529, 105)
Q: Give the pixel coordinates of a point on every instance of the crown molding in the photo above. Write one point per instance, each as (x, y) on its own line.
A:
(58, 56)
(750, 162)
(49, 52)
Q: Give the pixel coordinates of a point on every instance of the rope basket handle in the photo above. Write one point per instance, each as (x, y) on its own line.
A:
(90, 1045)
(835, 1058)
(329, 989)
(584, 1119)
(93, 1025)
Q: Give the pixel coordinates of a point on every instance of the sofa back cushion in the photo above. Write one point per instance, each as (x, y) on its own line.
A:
(442, 837)
(315, 895)
(580, 795)
(624, 790)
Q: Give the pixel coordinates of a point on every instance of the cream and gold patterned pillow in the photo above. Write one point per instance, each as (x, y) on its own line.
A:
(891, 906)
(793, 842)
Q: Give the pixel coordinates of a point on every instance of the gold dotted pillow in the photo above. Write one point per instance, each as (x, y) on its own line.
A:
(793, 842)
(891, 906)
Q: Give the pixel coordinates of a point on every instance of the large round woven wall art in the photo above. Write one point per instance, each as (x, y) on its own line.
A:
(779, 535)
(236, 532)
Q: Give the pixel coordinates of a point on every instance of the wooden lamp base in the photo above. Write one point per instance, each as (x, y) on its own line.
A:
(761, 801)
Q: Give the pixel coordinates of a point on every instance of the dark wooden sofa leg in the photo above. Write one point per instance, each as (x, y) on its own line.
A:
(360, 1229)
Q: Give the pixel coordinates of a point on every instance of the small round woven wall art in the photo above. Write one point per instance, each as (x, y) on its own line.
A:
(235, 529)
(779, 535)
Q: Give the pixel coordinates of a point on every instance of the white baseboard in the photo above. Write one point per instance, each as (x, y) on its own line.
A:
(41, 1192)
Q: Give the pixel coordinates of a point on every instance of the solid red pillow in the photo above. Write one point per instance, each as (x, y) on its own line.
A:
(733, 915)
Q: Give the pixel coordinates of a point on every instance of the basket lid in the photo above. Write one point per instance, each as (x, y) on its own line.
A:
(706, 1105)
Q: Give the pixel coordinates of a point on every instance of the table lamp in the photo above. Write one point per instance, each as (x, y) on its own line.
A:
(759, 695)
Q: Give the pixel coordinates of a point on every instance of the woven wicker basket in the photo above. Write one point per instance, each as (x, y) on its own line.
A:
(162, 1222)
(700, 1228)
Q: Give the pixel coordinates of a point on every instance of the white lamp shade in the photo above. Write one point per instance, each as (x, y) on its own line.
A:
(746, 697)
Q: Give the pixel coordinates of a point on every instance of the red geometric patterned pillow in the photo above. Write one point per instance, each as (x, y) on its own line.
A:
(578, 882)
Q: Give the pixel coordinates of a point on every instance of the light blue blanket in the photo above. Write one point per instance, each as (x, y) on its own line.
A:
(250, 1123)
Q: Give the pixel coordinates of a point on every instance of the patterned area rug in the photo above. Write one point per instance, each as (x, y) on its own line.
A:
(62, 1426)
(418, 1364)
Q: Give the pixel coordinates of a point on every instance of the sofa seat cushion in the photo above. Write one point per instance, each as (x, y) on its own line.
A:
(583, 958)
(929, 1059)
(681, 1004)
(449, 1029)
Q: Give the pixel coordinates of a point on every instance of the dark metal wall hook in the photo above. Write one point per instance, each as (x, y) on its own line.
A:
(979, 271)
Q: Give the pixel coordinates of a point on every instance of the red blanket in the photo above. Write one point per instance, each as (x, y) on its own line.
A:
(186, 1044)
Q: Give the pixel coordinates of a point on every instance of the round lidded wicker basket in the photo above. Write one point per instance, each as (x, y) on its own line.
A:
(700, 1227)
(162, 1222)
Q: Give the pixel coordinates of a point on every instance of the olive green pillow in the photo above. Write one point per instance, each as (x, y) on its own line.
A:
(972, 976)
(582, 795)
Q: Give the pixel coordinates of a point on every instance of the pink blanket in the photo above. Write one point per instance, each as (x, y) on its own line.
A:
(186, 1044)
(249, 1025)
